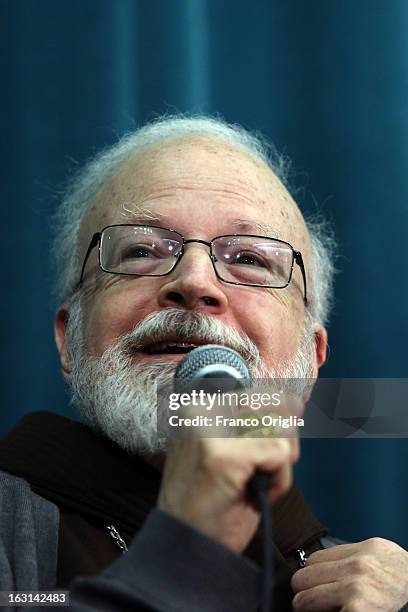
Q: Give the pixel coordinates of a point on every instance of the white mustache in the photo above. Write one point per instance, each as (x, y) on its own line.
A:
(184, 325)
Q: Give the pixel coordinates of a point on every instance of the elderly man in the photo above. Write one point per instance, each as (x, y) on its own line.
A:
(182, 234)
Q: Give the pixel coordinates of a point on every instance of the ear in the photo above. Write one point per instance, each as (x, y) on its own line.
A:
(60, 328)
(320, 341)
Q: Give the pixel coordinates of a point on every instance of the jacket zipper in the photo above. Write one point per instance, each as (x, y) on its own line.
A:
(301, 557)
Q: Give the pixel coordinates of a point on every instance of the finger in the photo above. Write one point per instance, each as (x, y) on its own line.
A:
(239, 458)
(335, 553)
(281, 481)
(263, 425)
(275, 456)
(321, 573)
(295, 449)
(322, 598)
(273, 453)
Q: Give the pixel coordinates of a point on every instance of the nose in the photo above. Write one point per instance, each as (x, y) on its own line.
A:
(193, 283)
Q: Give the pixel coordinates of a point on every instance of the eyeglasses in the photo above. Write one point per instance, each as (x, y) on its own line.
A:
(238, 259)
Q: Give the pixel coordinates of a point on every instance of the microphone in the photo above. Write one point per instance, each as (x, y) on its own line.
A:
(211, 368)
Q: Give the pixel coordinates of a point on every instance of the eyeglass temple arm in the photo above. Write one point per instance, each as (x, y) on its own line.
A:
(95, 240)
(299, 261)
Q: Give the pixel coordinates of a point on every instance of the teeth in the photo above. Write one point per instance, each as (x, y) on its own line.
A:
(158, 347)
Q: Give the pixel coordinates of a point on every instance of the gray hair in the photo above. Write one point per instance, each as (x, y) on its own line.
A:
(84, 185)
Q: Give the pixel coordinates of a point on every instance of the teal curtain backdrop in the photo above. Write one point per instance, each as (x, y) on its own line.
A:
(326, 81)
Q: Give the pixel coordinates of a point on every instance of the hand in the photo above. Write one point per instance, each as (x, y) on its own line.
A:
(370, 576)
(204, 483)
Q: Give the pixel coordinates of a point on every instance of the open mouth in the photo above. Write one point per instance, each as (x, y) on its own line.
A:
(172, 347)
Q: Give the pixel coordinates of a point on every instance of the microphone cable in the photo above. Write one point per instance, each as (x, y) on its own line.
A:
(258, 489)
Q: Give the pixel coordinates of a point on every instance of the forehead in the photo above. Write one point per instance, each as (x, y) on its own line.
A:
(191, 168)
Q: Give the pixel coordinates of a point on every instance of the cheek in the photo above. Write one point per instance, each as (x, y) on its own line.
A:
(104, 323)
(272, 322)
(111, 314)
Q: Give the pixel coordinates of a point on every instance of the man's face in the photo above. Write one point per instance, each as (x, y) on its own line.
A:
(202, 188)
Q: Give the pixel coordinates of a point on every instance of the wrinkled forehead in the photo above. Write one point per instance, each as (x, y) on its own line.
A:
(199, 163)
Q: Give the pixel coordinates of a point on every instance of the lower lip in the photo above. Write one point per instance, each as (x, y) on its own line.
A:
(162, 356)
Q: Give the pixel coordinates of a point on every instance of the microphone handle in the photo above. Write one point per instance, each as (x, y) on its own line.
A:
(258, 483)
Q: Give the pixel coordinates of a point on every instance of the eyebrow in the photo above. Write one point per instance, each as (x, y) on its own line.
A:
(251, 225)
(141, 214)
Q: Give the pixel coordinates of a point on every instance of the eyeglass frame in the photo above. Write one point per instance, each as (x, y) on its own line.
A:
(296, 256)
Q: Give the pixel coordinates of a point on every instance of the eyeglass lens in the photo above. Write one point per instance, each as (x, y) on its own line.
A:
(253, 260)
(144, 250)
(139, 250)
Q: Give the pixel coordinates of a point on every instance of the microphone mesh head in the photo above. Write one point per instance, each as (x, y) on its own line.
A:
(195, 363)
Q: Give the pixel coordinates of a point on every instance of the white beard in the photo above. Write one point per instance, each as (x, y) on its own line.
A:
(118, 396)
